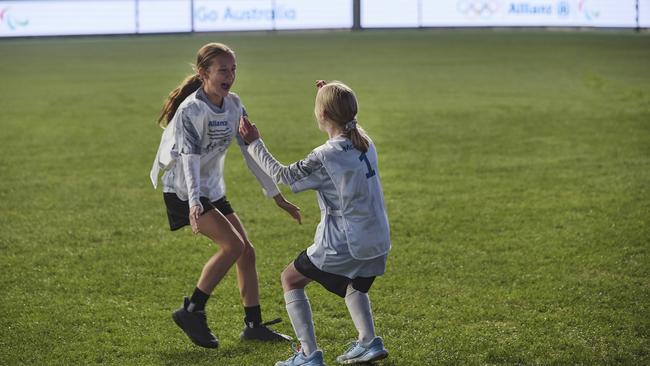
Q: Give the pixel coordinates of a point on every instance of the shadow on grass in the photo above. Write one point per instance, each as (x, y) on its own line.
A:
(230, 354)
(249, 353)
(188, 356)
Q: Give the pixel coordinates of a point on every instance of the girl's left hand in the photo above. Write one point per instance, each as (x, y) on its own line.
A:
(195, 214)
(248, 130)
(291, 209)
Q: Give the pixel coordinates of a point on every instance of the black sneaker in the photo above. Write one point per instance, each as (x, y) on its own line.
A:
(262, 332)
(195, 325)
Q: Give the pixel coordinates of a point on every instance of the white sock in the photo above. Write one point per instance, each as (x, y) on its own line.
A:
(359, 307)
(299, 312)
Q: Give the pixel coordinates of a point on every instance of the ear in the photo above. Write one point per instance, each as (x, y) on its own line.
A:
(321, 115)
(203, 73)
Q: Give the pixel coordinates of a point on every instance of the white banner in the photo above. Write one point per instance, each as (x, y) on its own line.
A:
(312, 14)
(495, 13)
(35, 18)
(164, 16)
(75, 17)
(220, 15)
(390, 14)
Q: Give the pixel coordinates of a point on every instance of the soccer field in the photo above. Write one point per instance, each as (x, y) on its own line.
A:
(515, 166)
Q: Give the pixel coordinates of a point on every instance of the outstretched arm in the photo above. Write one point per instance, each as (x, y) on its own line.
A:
(267, 182)
(281, 174)
(301, 175)
(251, 135)
(268, 186)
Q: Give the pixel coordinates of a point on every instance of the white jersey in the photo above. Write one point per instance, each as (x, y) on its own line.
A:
(193, 149)
(353, 230)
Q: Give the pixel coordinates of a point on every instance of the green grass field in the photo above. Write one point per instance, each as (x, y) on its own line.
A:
(515, 165)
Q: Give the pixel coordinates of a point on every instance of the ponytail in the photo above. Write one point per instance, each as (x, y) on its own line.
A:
(359, 138)
(191, 84)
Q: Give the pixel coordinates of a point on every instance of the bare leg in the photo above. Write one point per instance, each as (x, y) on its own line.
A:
(249, 290)
(192, 320)
(216, 227)
(246, 270)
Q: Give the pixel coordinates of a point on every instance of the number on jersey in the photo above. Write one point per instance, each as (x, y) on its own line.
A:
(364, 158)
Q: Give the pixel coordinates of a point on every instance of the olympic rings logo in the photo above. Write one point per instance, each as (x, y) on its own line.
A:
(474, 9)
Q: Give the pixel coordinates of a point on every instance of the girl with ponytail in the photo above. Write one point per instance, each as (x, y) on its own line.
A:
(201, 118)
(352, 241)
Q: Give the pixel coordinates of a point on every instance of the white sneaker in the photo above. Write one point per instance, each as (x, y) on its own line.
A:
(358, 353)
(299, 359)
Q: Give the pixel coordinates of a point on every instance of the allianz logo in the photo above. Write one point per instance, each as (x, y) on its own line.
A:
(528, 8)
(563, 8)
(209, 15)
(485, 9)
(217, 123)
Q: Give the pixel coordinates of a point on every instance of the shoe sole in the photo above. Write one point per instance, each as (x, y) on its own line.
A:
(378, 357)
(180, 325)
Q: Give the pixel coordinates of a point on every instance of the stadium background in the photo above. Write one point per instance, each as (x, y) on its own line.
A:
(68, 17)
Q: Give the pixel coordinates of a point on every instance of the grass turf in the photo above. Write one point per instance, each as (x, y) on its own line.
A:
(516, 169)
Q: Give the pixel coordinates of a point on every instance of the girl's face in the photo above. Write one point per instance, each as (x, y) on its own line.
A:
(220, 75)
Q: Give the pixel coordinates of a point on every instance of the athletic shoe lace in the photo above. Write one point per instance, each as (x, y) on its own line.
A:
(351, 346)
(296, 352)
(271, 322)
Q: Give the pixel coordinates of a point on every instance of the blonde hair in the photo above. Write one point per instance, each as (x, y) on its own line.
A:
(338, 103)
(191, 83)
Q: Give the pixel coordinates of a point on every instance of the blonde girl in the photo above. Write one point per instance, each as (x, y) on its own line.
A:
(352, 239)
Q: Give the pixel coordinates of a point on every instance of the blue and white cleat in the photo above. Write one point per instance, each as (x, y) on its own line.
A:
(358, 353)
(299, 359)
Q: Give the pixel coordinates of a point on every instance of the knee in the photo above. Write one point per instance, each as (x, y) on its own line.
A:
(288, 280)
(234, 248)
(284, 278)
(248, 252)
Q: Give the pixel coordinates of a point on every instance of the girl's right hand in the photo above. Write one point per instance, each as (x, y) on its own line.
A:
(248, 130)
(195, 213)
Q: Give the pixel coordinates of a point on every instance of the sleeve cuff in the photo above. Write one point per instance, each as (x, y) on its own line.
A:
(196, 202)
(272, 192)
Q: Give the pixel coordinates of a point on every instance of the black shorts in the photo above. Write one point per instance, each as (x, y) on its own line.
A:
(332, 282)
(178, 211)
